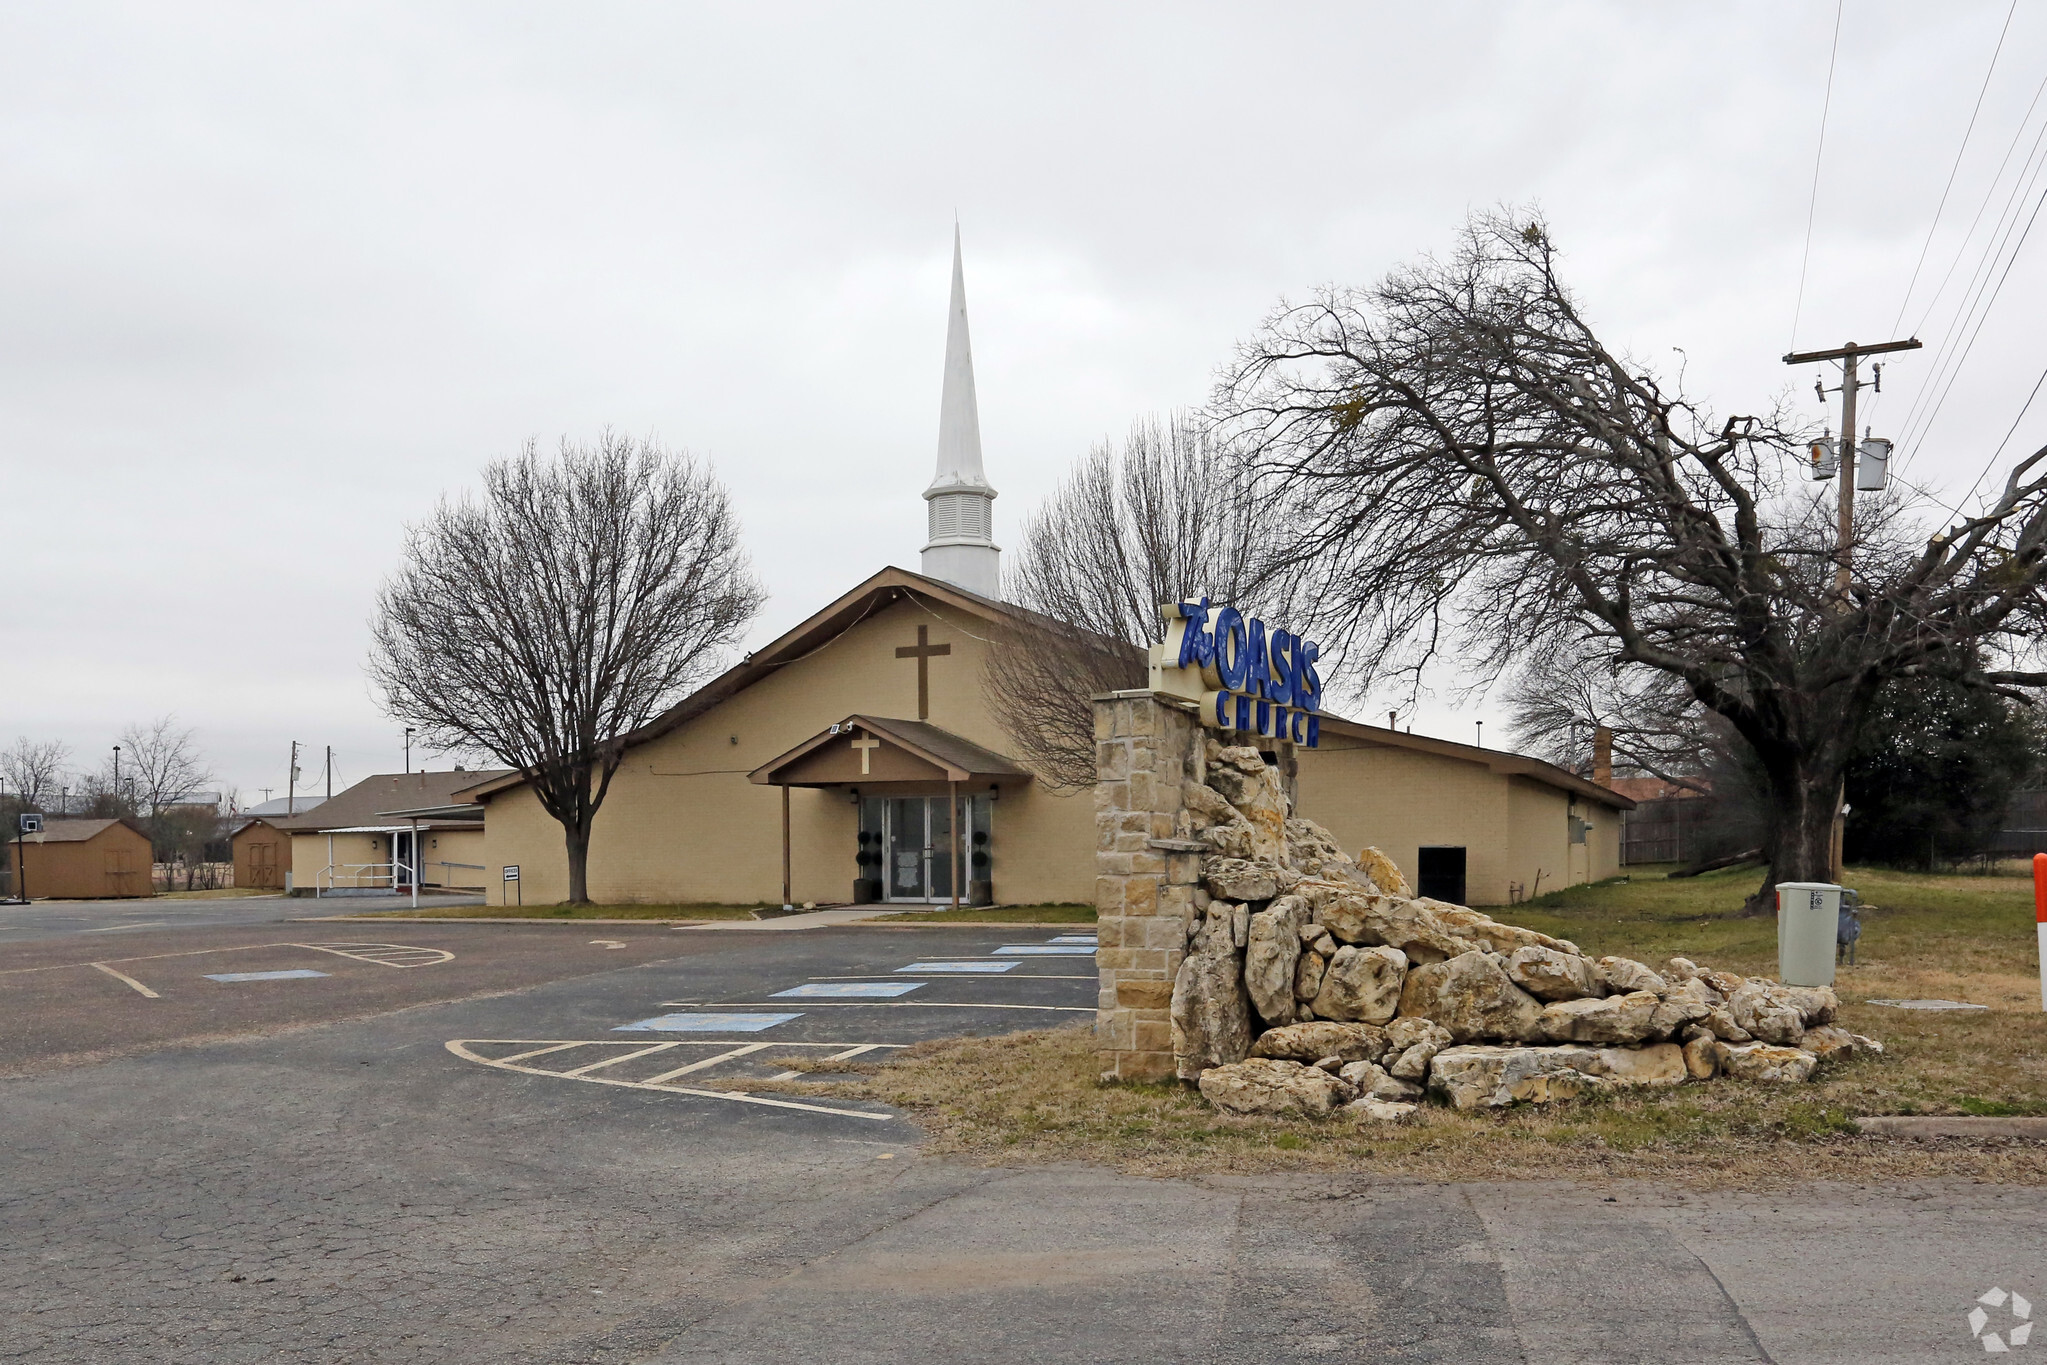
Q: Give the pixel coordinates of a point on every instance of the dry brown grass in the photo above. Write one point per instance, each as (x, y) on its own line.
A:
(1032, 1097)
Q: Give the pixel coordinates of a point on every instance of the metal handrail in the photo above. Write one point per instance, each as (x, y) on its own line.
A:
(327, 875)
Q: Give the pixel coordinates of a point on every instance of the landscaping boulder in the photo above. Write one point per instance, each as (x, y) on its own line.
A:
(1684, 1004)
(1830, 1042)
(1322, 1038)
(1253, 788)
(1313, 852)
(1262, 1085)
(1624, 974)
(1486, 932)
(1271, 952)
(1725, 1029)
(1495, 1077)
(1473, 998)
(1764, 1062)
(1411, 1044)
(1381, 871)
(1815, 1004)
(1548, 974)
(1211, 1015)
(1373, 1082)
(1766, 1012)
(1617, 1019)
(1396, 922)
(1702, 1057)
(1378, 1111)
(1236, 879)
(1308, 973)
(1363, 984)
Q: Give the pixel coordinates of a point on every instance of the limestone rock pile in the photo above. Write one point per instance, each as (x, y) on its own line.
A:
(1315, 983)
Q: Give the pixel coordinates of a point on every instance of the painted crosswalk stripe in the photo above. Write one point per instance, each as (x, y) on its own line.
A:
(1045, 950)
(295, 974)
(707, 1023)
(937, 967)
(840, 990)
(1077, 938)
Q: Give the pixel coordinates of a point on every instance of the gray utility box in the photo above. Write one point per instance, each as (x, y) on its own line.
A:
(1808, 925)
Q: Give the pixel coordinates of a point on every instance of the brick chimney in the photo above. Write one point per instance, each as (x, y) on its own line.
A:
(1602, 755)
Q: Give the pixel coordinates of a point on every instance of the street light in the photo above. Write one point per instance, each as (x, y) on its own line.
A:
(408, 748)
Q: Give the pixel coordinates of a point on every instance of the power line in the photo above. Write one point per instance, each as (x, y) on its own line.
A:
(1988, 464)
(1812, 207)
(1979, 311)
(1935, 224)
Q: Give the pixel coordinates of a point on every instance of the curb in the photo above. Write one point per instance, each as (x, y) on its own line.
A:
(1903, 1126)
(685, 923)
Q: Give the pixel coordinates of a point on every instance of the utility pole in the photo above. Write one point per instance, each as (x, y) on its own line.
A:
(117, 776)
(408, 749)
(330, 772)
(1844, 535)
(291, 782)
(1844, 540)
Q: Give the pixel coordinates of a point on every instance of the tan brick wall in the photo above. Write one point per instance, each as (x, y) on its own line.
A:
(1145, 896)
(682, 824)
(309, 858)
(1510, 827)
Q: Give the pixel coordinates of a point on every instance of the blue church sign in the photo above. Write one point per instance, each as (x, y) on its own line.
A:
(1239, 674)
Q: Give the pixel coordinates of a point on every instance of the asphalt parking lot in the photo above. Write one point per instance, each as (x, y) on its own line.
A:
(515, 1153)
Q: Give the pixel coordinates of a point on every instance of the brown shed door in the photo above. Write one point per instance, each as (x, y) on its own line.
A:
(262, 864)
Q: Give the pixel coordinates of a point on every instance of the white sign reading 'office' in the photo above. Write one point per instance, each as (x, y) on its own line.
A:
(1240, 674)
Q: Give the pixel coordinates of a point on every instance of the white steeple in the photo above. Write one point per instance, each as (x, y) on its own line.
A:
(961, 548)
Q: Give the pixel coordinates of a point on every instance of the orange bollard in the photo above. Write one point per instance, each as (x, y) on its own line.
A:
(2040, 918)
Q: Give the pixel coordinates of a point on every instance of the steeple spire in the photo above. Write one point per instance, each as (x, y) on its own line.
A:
(961, 548)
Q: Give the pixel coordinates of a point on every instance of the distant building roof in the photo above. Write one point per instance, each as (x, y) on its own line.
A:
(78, 831)
(373, 797)
(1655, 788)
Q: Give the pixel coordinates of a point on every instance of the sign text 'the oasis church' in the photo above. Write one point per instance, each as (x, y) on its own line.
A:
(1240, 675)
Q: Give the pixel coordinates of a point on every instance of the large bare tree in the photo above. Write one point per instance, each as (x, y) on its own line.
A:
(33, 770)
(564, 608)
(1476, 479)
(1160, 519)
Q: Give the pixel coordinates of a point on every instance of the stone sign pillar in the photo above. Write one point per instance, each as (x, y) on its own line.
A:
(1147, 746)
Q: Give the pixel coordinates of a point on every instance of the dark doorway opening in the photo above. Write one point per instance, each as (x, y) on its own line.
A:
(1440, 874)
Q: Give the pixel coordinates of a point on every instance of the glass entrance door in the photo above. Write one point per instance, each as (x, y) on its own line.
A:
(918, 841)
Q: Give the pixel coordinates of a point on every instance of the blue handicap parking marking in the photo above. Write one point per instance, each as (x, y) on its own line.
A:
(295, 974)
(707, 1023)
(1045, 950)
(839, 990)
(938, 967)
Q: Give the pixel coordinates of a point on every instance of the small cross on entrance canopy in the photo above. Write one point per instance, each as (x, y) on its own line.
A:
(923, 652)
(867, 744)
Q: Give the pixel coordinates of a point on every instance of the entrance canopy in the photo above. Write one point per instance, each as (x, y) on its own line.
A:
(873, 749)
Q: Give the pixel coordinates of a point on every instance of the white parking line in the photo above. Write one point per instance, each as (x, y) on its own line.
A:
(128, 980)
(878, 1005)
(463, 1048)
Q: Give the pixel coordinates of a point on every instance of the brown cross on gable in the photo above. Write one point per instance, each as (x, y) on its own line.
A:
(923, 652)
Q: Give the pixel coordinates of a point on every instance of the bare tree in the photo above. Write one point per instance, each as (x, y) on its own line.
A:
(565, 608)
(33, 770)
(1658, 727)
(160, 766)
(1480, 479)
(1161, 520)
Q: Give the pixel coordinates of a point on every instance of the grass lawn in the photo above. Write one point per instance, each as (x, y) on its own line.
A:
(1035, 1096)
(998, 914)
(575, 912)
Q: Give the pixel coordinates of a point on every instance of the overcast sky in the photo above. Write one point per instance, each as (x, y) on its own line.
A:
(273, 279)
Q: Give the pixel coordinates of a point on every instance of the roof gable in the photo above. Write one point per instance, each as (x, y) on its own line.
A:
(805, 638)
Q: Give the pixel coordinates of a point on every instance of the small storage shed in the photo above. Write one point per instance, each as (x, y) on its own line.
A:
(262, 855)
(83, 860)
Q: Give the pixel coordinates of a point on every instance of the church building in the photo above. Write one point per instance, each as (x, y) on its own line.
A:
(856, 759)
